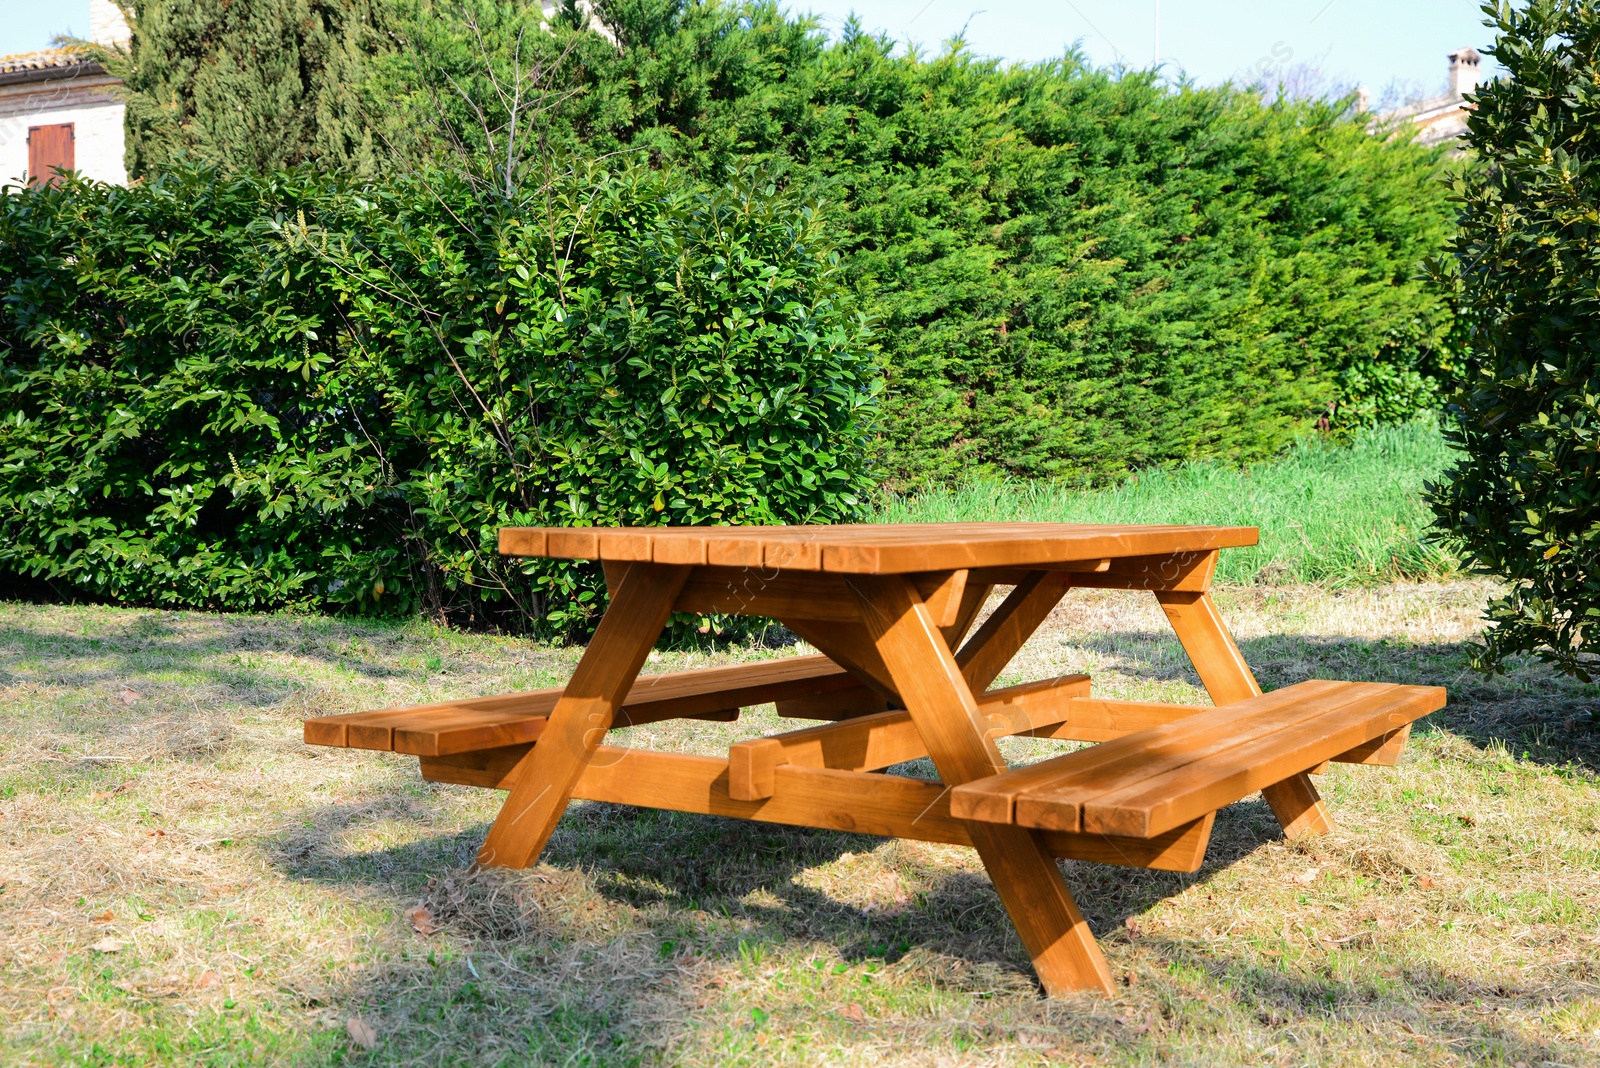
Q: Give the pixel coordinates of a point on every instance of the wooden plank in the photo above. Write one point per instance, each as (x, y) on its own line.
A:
(524, 541)
(1185, 571)
(1087, 719)
(681, 693)
(1151, 751)
(578, 543)
(1004, 633)
(1024, 873)
(760, 592)
(898, 554)
(877, 741)
(323, 731)
(492, 768)
(877, 549)
(466, 731)
(1175, 572)
(1299, 808)
(546, 776)
(1211, 649)
(1093, 719)
(335, 730)
(1156, 803)
(918, 811)
(1180, 849)
(505, 719)
(1227, 678)
(994, 800)
(890, 805)
(376, 730)
(1160, 802)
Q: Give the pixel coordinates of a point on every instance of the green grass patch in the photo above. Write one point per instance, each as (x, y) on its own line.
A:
(185, 883)
(1330, 514)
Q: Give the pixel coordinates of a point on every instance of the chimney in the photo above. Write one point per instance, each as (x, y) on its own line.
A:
(106, 24)
(1464, 64)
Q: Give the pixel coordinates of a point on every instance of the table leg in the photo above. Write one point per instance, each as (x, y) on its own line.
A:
(941, 705)
(1227, 678)
(641, 604)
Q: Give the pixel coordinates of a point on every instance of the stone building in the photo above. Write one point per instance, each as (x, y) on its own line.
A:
(1441, 118)
(59, 109)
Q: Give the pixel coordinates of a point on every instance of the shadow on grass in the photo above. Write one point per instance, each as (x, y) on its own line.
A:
(1425, 1006)
(612, 948)
(671, 869)
(85, 660)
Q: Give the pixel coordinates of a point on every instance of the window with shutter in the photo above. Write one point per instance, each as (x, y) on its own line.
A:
(49, 147)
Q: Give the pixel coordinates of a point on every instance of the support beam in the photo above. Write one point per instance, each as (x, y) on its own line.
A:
(755, 591)
(973, 598)
(1003, 634)
(1185, 571)
(868, 743)
(887, 805)
(1384, 751)
(847, 645)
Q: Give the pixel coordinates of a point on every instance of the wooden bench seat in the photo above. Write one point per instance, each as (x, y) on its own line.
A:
(1146, 783)
(451, 727)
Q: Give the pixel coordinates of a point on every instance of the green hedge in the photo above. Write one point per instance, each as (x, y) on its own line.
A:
(1524, 503)
(1072, 272)
(255, 392)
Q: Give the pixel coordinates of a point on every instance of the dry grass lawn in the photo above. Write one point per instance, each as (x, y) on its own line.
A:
(183, 882)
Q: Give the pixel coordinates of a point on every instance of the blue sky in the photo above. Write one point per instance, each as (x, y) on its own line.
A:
(1356, 42)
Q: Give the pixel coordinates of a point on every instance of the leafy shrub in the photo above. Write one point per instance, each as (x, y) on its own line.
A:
(248, 392)
(1524, 503)
(174, 425)
(1072, 272)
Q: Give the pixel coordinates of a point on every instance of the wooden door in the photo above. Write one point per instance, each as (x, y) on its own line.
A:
(49, 147)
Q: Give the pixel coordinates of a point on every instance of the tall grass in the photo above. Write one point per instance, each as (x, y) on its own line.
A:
(1328, 514)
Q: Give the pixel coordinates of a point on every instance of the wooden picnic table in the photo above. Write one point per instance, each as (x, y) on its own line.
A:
(902, 674)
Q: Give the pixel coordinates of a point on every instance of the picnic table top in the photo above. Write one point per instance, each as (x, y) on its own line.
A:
(871, 548)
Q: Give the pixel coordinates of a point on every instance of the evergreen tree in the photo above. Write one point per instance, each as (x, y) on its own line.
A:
(1523, 503)
(1071, 272)
(250, 85)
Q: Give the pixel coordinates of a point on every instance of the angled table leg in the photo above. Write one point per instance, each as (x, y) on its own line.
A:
(941, 705)
(1227, 678)
(641, 603)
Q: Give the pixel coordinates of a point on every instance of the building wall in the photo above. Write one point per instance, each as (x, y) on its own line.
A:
(106, 24)
(85, 102)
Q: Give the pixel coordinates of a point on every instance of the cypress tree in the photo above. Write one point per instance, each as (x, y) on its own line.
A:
(249, 85)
